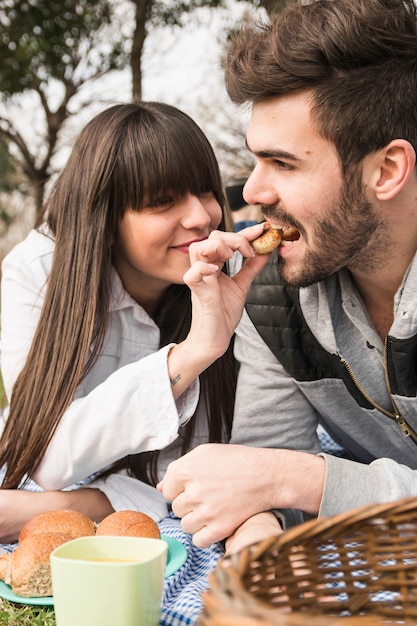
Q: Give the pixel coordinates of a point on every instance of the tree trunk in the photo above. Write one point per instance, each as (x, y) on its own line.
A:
(274, 6)
(138, 41)
(39, 193)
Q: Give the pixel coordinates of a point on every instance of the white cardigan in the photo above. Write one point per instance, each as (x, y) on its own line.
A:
(123, 406)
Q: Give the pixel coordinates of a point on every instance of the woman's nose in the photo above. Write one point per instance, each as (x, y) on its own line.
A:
(195, 213)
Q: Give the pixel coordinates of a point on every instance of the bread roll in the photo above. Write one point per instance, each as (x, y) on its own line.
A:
(71, 523)
(129, 524)
(5, 565)
(268, 240)
(27, 570)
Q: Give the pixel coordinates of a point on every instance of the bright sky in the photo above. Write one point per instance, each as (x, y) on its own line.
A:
(180, 66)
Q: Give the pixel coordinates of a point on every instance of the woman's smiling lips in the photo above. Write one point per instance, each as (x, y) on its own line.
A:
(184, 247)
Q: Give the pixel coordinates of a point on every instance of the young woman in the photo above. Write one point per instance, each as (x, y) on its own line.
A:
(103, 363)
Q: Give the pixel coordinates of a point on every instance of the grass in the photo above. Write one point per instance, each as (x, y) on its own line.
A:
(25, 615)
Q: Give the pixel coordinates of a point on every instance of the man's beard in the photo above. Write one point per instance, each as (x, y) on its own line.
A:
(343, 236)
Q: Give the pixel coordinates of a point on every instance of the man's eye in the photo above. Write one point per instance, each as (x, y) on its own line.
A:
(282, 164)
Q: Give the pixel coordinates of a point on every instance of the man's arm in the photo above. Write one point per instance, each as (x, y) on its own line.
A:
(216, 487)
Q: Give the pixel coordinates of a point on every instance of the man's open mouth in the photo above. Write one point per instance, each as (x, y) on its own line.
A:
(289, 235)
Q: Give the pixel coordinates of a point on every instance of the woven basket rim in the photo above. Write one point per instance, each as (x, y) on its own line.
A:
(228, 599)
(321, 526)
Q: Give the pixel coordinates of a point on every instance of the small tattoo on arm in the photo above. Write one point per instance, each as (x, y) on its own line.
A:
(175, 379)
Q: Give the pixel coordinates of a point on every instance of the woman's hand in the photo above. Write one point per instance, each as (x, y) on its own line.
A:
(255, 529)
(217, 300)
(18, 506)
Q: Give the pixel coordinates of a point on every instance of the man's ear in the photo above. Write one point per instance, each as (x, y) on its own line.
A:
(392, 168)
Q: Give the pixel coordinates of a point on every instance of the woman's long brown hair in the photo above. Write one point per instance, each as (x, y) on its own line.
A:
(126, 154)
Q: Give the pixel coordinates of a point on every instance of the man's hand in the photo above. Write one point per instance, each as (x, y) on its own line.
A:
(215, 488)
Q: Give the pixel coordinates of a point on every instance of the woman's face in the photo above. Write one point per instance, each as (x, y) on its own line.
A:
(151, 247)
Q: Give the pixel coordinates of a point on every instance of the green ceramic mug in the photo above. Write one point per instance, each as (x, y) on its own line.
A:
(108, 581)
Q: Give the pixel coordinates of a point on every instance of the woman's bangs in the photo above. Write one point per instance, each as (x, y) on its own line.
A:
(204, 173)
(178, 169)
(169, 156)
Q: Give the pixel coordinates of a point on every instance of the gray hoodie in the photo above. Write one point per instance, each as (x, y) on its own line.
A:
(275, 410)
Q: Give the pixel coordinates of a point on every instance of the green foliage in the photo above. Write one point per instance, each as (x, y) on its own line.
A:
(66, 43)
(43, 39)
(160, 13)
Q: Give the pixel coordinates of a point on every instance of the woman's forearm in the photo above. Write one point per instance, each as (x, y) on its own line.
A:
(18, 506)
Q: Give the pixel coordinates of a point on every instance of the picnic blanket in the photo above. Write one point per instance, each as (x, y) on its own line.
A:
(182, 600)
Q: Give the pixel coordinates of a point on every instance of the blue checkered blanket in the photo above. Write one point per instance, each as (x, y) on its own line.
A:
(182, 600)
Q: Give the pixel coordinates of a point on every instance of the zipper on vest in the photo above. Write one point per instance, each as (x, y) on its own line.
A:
(395, 414)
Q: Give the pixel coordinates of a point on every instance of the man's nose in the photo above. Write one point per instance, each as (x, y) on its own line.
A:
(258, 189)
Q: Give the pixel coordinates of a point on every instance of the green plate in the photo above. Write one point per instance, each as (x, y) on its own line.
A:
(7, 594)
(177, 555)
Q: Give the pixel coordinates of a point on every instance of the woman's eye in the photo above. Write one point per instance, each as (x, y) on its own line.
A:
(162, 201)
(206, 194)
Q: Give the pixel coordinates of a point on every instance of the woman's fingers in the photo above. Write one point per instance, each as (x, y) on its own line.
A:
(212, 253)
(199, 272)
(220, 246)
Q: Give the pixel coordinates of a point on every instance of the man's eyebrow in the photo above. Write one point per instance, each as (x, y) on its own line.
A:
(277, 154)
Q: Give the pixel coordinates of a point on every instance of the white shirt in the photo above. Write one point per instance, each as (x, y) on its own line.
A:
(123, 406)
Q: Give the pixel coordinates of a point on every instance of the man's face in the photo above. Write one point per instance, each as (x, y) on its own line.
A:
(299, 183)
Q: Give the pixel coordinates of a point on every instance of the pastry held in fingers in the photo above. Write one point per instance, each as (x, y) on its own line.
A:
(268, 240)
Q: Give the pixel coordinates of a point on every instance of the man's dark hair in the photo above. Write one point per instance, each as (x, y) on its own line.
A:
(357, 57)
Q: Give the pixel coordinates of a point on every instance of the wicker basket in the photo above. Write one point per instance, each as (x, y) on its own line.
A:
(358, 567)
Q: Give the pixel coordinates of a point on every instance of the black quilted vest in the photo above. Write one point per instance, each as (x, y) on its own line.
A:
(275, 311)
